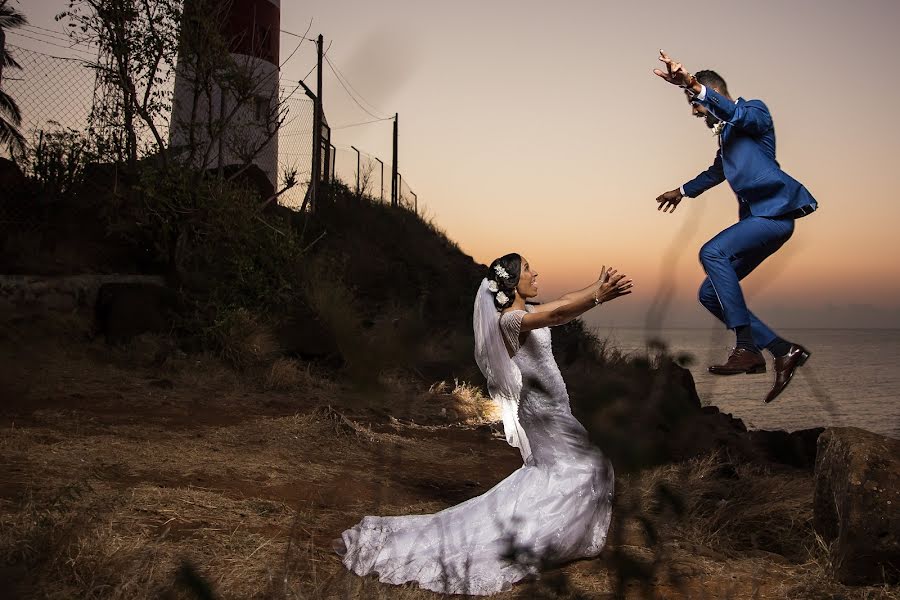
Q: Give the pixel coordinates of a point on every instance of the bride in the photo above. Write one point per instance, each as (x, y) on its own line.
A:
(556, 507)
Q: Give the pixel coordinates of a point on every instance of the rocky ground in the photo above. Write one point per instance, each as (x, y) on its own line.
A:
(138, 471)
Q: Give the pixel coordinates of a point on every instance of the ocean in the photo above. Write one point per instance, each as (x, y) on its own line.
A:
(851, 379)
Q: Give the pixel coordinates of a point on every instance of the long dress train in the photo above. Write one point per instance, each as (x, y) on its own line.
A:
(554, 508)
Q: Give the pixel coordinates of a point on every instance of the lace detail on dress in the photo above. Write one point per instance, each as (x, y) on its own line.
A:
(511, 327)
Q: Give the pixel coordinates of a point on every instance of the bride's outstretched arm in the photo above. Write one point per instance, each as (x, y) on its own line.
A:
(610, 286)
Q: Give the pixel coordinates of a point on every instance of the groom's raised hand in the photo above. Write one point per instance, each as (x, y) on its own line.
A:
(675, 72)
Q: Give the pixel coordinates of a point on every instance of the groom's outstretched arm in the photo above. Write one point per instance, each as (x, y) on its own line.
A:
(711, 177)
(752, 116)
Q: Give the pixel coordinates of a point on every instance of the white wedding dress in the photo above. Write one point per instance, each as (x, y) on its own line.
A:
(556, 507)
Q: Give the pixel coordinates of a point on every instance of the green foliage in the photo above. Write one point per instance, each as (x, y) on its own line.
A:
(212, 235)
(242, 338)
(56, 160)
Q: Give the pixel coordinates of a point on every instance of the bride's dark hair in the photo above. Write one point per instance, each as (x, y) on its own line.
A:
(512, 264)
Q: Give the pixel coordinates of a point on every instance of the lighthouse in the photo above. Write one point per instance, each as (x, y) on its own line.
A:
(225, 112)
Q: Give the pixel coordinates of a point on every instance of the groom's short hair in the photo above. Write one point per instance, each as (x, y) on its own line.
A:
(710, 78)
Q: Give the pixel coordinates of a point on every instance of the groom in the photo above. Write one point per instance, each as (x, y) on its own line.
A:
(769, 201)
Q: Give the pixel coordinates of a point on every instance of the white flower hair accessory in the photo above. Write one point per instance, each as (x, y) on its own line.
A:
(492, 286)
(718, 128)
(502, 298)
(501, 272)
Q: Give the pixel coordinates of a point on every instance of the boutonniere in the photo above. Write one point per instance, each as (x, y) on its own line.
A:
(718, 128)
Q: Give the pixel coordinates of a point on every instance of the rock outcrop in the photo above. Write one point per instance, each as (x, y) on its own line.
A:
(62, 294)
(857, 504)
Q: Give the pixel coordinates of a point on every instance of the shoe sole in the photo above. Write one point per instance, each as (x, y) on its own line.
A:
(804, 356)
(753, 371)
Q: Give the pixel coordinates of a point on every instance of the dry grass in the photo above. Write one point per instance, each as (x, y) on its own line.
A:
(246, 340)
(461, 402)
(330, 298)
(712, 517)
(288, 374)
(153, 481)
(148, 349)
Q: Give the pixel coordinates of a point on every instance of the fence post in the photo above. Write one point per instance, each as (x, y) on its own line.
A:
(394, 190)
(326, 164)
(316, 175)
(333, 160)
(382, 177)
(358, 192)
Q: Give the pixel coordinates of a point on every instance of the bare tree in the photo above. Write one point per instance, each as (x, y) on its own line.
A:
(234, 109)
(137, 41)
(366, 175)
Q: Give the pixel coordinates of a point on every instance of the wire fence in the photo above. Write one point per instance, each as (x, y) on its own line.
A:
(406, 198)
(363, 173)
(295, 144)
(59, 93)
(51, 91)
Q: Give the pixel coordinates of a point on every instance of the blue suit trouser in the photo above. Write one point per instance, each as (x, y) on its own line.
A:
(731, 256)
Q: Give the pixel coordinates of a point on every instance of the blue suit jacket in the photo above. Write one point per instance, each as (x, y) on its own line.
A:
(746, 158)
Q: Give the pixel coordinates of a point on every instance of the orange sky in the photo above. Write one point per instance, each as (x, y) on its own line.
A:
(539, 127)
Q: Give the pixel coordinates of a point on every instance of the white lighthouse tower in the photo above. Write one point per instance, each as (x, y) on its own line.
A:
(229, 115)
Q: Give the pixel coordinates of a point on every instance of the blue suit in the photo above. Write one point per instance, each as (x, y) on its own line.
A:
(769, 200)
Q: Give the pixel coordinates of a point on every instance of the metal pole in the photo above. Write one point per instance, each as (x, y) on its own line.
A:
(326, 162)
(382, 178)
(317, 131)
(399, 188)
(358, 193)
(333, 160)
(394, 198)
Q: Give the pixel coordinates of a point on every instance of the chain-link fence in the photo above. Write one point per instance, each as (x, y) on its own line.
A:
(363, 173)
(51, 91)
(58, 94)
(295, 144)
(53, 94)
(406, 198)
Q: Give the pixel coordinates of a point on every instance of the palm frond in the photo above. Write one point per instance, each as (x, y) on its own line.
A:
(9, 109)
(10, 18)
(7, 60)
(11, 137)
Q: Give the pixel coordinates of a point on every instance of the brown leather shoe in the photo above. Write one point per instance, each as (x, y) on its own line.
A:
(784, 369)
(739, 361)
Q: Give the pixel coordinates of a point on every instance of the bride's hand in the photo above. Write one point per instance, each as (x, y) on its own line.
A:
(612, 285)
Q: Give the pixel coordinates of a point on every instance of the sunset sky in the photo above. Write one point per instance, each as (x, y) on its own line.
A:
(539, 127)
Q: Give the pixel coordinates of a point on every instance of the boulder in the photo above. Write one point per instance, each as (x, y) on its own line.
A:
(795, 448)
(126, 310)
(856, 507)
